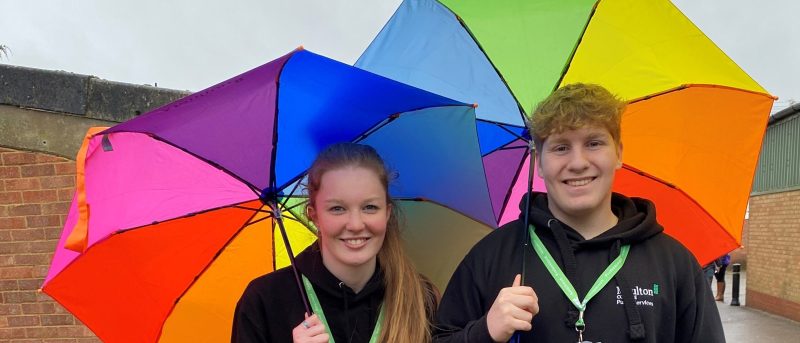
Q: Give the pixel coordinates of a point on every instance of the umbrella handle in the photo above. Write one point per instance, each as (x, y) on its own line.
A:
(525, 243)
(526, 220)
(279, 218)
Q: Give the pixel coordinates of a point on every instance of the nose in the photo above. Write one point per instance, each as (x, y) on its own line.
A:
(578, 160)
(355, 222)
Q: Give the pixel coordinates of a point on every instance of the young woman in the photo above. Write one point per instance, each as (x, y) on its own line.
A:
(365, 287)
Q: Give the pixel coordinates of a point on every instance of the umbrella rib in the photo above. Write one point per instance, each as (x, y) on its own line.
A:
(260, 220)
(374, 128)
(575, 48)
(513, 133)
(301, 220)
(506, 147)
(272, 182)
(257, 210)
(273, 185)
(664, 92)
(685, 86)
(197, 277)
(505, 128)
(670, 185)
(286, 198)
(210, 162)
(519, 169)
(500, 75)
(295, 179)
(271, 216)
(119, 232)
(489, 121)
(191, 214)
(296, 205)
(393, 117)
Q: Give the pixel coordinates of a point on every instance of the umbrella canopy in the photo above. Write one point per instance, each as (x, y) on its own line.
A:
(693, 127)
(174, 210)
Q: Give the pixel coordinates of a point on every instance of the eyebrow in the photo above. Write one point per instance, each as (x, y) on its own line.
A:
(594, 135)
(599, 135)
(338, 201)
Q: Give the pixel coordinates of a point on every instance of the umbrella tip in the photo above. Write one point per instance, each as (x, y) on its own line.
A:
(300, 48)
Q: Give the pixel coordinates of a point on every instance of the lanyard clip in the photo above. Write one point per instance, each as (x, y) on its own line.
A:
(580, 325)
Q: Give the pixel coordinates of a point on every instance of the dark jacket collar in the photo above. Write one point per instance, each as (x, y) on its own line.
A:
(637, 220)
(309, 263)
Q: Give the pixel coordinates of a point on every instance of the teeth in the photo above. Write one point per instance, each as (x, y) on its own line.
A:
(578, 183)
(355, 241)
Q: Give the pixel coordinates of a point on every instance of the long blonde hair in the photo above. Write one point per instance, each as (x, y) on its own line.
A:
(407, 301)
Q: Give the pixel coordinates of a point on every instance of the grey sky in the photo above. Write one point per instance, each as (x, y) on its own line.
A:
(189, 45)
(762, 36)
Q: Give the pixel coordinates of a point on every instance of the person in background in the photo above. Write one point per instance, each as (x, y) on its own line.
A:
(721, 265)
(708, 272)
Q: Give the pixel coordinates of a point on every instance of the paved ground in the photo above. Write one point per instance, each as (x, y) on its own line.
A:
(744, 324)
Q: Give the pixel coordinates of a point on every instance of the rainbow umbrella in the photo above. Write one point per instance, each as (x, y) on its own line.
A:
(692, 130)
(175, 211)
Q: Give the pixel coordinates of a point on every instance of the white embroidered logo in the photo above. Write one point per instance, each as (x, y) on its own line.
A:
(642, 296)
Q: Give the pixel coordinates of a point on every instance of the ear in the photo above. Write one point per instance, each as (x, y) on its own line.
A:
(537, 158)
(311, 213)
(619, 155)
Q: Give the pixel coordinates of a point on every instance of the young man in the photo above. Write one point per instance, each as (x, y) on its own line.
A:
(621, 278)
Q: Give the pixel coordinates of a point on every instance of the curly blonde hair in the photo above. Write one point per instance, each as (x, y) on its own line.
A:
(575, 106)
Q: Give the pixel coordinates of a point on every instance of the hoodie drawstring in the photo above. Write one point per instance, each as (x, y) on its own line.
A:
(636, 329)
(570, 266)
(346, 305)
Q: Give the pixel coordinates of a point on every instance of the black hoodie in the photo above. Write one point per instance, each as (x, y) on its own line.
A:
(271, 307)
(659, 295)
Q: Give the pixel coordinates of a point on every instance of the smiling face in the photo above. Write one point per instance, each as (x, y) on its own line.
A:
(578, 168)
(351, 211)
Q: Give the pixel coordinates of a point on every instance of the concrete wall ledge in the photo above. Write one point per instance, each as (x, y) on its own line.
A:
(49, 111)
(82, 95)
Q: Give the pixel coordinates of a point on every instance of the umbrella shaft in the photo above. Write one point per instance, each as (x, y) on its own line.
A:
(279, 218)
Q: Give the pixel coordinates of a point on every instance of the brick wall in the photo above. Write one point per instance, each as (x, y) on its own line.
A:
(740, 255)
(773, 254)
(35, 194)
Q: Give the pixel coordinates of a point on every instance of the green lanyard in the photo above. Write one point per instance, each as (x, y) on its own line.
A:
(317, 307)
(564, 283)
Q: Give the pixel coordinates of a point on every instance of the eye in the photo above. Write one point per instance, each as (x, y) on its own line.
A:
(559, 149)
(371, 208)
(336, 209)
(596, 143)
